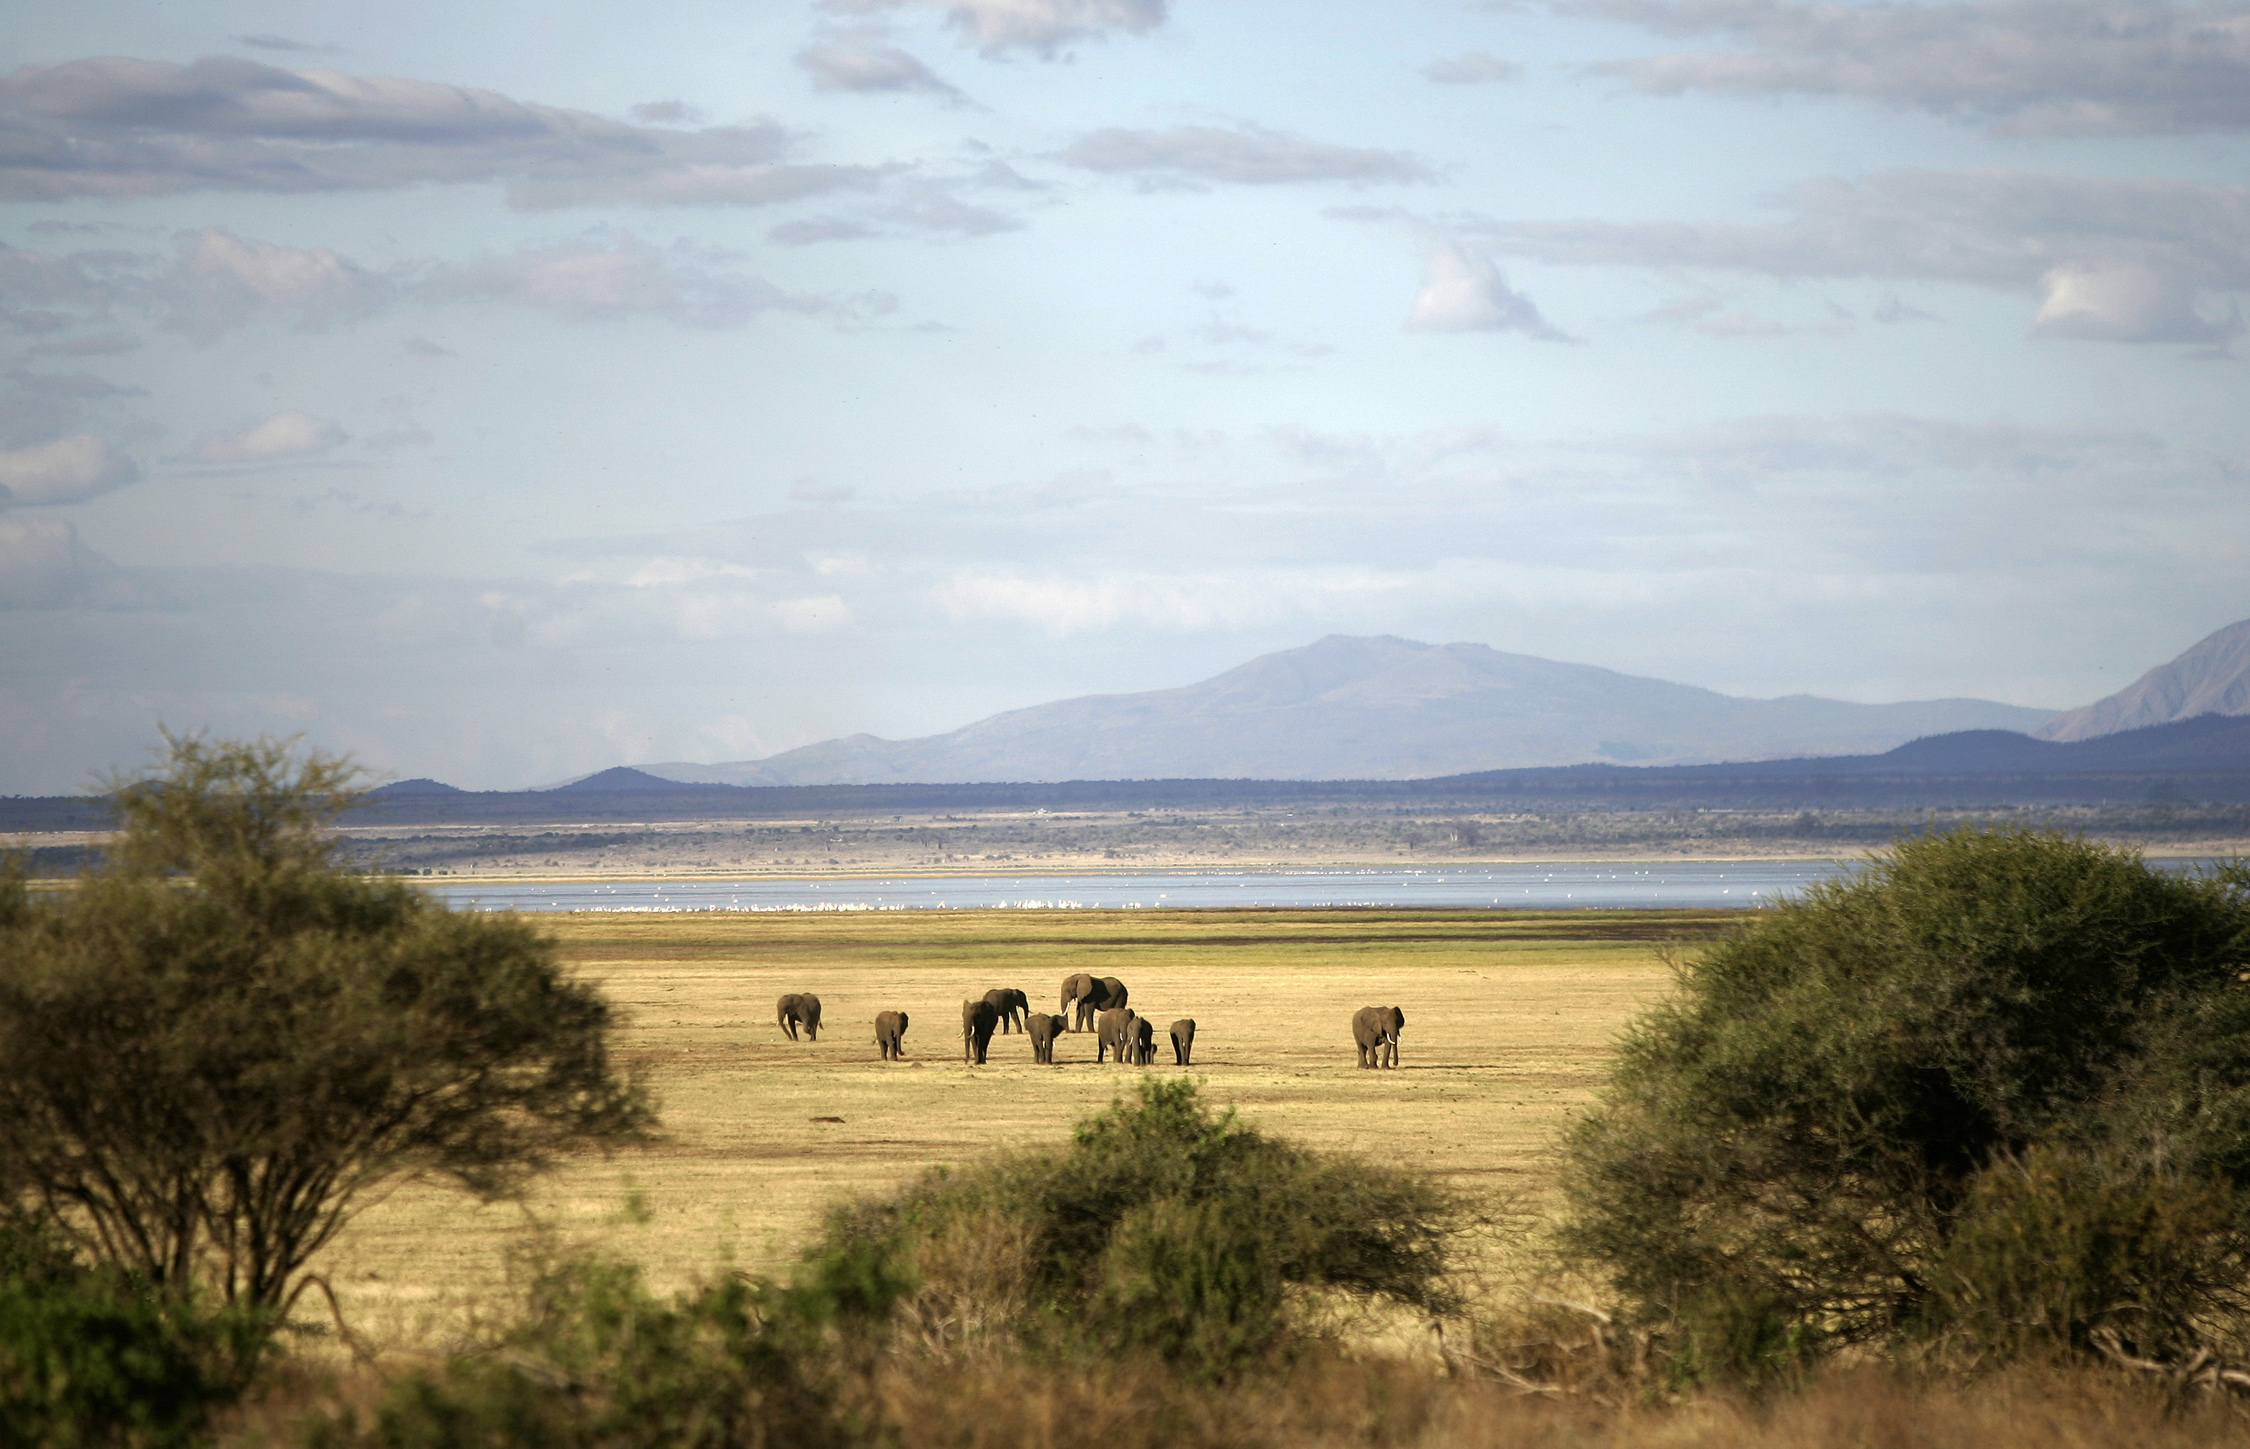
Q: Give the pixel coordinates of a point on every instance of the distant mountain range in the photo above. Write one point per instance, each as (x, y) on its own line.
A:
(1370, 709)
(2212, 677)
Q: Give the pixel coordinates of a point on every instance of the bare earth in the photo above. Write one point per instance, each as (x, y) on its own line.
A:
(1510, 1017)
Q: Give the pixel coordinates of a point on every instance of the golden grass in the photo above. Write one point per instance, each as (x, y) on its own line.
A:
(1510, 1018)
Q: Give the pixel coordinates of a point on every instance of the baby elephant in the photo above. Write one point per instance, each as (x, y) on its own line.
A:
(1114, 1031)
(1043, 1028)
(1376, 1029)
(1183, 1040)
(797, 1010)
(890, 1034)
(977, 1021)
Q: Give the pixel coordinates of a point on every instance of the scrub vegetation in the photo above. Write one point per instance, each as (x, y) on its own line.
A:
(1953, 1151)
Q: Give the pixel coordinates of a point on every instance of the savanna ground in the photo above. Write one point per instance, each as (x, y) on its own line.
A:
(1510, 1017)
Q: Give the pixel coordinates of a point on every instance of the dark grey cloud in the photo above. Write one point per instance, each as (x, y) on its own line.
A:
(116, 127)
(870, 65)
(2043, 67)
(1473, 68)
(2113, 259)
(1043, 27)
(1249, 155)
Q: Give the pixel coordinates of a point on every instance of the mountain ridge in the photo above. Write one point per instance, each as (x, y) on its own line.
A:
(1368, 707)
(2211, 676)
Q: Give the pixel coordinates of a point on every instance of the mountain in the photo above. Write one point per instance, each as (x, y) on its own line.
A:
(2213, 677)
(625, 777)
(1373, 709)
(421, 785)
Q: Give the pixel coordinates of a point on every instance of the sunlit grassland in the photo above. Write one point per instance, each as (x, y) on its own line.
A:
(1510, 1016)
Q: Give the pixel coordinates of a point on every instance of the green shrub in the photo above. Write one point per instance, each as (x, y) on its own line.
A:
(92, 1356)
(1161, 1229)
(1824, 1109)
(598, 1362)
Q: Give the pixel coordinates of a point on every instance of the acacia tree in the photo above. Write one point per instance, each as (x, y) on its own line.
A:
(223, 1041)
(2000, 1078)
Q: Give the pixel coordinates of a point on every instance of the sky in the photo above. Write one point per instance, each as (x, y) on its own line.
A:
(499, 392)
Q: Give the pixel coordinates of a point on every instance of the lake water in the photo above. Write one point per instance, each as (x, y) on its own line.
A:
(1744, 884)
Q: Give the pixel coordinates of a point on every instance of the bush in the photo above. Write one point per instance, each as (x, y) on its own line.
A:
(1997, 1067)
(1162, 1230)
(92, 1356)
(223, 1040)
(598, 1362)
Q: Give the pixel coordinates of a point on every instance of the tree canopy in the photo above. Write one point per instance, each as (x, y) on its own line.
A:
(1996, 1073)
(218, 1041)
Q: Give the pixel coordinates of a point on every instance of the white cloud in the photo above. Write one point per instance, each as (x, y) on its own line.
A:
(1466, 293)
(230, 281)
(1079, 603)
(42, 563)
(1245, 155)
(272, 440)
(2122, 302)
(67, 470)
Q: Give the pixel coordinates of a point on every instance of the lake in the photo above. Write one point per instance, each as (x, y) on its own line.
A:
(1744, 884)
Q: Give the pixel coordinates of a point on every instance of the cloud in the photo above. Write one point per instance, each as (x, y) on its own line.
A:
(2128, 255)
(668, 113)
(116, 127)
(67, 470)
(1249, 155)
(1043, 27)
(230, 281)
(1462, 292)
(42, 563)
(268, 41)
(2040, 67)
(866, 65)
(593, 280)
(1474, 68)
(2122, 302)
(272, 440)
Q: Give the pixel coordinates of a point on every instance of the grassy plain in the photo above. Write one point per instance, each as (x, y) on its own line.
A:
(1510, 1016)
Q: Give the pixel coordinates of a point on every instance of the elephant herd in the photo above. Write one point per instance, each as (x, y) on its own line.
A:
(1100, 1006)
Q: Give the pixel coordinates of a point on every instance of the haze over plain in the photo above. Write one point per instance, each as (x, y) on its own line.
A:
(502, 397)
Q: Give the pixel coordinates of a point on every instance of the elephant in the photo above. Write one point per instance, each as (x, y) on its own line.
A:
(977, 1021)
(1107, 994)
(1114, 1031)
(1075, 990)
(1011, 1005)
(1142, 1040)
(890, 1034)
(1183, 1040)
(1043, 1029)
(1376, 1029)
(799, 1009)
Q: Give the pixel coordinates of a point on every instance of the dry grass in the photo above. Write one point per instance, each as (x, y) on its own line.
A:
(1509, 1020)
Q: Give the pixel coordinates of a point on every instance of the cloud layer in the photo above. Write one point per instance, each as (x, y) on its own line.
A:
(2040, 67)
(118, 128)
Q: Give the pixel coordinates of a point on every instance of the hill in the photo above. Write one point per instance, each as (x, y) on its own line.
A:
(2212, 677)
(1378, 708)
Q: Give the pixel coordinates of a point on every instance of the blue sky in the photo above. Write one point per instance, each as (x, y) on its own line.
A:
(500, 392)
